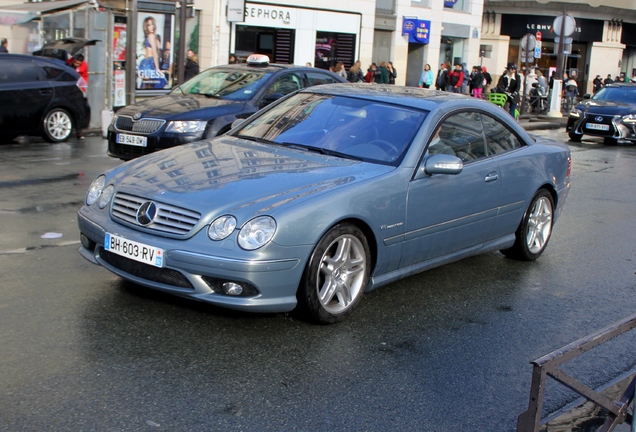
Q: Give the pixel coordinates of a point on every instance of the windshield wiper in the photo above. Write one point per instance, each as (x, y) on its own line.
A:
(256, 139)
(323, 151)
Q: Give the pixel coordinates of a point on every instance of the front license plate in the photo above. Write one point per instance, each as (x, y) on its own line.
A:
(133, 250)
(135, 140)
(597, 126)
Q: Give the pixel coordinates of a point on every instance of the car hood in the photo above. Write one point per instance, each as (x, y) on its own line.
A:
(230, 175)
(182, 107)
(607, 107)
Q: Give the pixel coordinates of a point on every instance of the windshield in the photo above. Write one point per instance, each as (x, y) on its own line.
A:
(617, 94)
(360, 129)
(224, 84)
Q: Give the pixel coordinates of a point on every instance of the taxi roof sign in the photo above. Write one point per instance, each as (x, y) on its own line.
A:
(258, 60)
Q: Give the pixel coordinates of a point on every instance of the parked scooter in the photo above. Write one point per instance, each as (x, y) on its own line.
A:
(538, 98)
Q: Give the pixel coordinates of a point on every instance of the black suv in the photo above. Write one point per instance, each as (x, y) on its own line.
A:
(206, 105)
(610, 114)
(40, 96)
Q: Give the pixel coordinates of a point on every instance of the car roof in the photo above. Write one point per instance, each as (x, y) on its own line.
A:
(56, 62)
(275, 67)
(415, 97)
(621, 84)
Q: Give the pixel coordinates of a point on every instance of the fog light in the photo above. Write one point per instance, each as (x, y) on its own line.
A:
(231, 288)
(87, 243)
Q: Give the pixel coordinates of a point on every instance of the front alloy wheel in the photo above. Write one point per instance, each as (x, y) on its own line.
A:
(57, 126)
(336, 275)
(533, 234)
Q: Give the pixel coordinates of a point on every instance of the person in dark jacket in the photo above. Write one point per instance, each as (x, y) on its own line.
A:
(442, 77)
(382, 74)
(392, 72)
(476, 82)
(510, 83)
(597, 84)
(191, 66)
(608, 80)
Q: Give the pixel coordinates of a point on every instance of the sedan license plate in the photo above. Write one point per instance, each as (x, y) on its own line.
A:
(596, 126)
(140, 141)
(135, 251)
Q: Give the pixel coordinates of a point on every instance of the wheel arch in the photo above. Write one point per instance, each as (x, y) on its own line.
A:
(368, 233)
(552, 190)
(53, 106)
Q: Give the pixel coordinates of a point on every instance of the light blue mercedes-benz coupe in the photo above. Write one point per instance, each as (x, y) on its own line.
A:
(331, 192)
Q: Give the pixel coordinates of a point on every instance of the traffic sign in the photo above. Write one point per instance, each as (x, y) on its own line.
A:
(538, 36)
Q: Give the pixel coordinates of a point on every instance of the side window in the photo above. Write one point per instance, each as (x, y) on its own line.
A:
(285, 84)
(19, 70)
(55, 73)
(460, 135)
(317, 78)
(499, 138)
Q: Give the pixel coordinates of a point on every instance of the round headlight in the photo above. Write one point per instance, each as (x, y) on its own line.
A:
(107, 194)
(257, 232)
(95, 190)
(222, 227)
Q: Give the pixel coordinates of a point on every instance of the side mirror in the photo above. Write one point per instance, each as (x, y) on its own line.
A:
(587, 96)
(271, 98)
(441, 164)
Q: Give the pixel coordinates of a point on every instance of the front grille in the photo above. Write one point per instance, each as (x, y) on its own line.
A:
(599, 119)
(126, 151)
(169, 219)
(142, 126)
(144, 271)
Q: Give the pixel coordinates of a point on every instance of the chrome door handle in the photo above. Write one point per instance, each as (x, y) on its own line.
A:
(491, 177)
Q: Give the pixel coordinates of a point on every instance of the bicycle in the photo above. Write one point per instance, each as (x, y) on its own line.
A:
(501, 99)
(567, 103)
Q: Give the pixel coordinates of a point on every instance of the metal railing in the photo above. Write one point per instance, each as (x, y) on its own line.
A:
(548, 365)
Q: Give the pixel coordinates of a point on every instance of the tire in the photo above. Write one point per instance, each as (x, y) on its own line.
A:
(336, 275)
(575, 137)
(610, 141)
(58, 126)
(535, 229)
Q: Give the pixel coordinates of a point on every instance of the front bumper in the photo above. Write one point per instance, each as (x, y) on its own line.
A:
(157, 141)
(604, 126)
(271, 284)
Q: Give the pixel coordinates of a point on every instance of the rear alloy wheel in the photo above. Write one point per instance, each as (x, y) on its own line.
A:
(533, 234)
(57, 125)
(336, 275)
(575, 137)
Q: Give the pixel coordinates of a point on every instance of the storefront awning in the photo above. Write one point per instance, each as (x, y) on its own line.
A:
(25, 12)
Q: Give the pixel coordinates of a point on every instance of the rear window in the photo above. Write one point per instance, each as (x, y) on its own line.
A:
(317, 78)
(18, 71)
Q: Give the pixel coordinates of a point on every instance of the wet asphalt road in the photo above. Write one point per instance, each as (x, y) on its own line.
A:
(445, 350)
